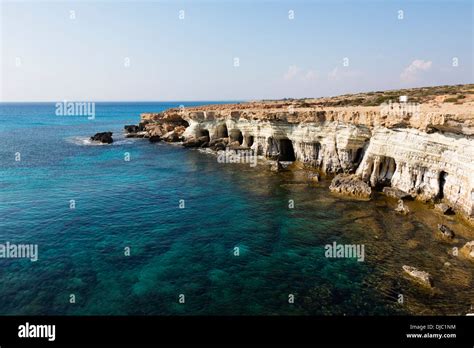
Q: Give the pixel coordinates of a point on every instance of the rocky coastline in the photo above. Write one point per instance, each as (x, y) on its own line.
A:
(405, 153)
(420, 150)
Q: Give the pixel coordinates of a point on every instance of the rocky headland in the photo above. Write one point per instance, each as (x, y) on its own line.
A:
(409, 144)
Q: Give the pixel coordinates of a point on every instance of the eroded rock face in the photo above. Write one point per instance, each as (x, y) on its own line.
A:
(428, 156)
(350, 185)
(421, 277)
(103, 137)
(428, 166)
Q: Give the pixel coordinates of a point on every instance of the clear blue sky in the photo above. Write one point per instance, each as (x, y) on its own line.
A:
(47, 56)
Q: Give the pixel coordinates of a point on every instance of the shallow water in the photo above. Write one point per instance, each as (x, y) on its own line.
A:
(190, 251)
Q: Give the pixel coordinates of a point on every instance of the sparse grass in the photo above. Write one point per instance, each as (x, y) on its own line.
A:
(450, 100)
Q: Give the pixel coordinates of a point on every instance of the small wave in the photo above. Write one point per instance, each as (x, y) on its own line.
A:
(86, 141)
(83, 141)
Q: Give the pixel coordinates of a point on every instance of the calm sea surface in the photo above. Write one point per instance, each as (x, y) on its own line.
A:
(190, 251)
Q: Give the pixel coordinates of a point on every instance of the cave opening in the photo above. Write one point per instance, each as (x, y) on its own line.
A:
(236, 135)
(203, 133)
(287, 153)
(221, 131)
(249, 140)
(442, 181)
(358, 156)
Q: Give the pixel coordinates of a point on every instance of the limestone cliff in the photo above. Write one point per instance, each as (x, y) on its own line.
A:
(425, 148)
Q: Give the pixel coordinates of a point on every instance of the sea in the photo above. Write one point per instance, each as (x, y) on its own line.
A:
(140, 228)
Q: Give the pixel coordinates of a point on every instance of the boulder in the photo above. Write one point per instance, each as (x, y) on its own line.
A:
(396, 193)
(351, 185)
(421, 277)
(203, 139)
(215, 141)
(234, 145)
(219, 146)
(445, 232)
(192, 143)
(103, 137)
(444, 208)
(402, 208)
(467, 250)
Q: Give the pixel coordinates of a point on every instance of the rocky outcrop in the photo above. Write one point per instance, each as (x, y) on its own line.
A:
(445, 232)
(426, 154)
(350, 185)
(421, 277)
(395, 193)
(103, 137)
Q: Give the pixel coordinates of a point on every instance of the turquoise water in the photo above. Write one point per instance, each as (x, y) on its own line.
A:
(174, 251)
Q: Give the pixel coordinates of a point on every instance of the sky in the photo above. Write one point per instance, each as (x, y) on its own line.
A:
(229, 50)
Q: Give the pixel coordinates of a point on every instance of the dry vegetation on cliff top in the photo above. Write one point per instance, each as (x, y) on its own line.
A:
(456, 97)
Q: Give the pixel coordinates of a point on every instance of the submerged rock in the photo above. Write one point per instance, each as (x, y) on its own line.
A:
(276, 167)
(444, 208)
(402, 208)
(421, 277)
(103, 137)
(445, 232)
(351, 185)
(396, 193)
